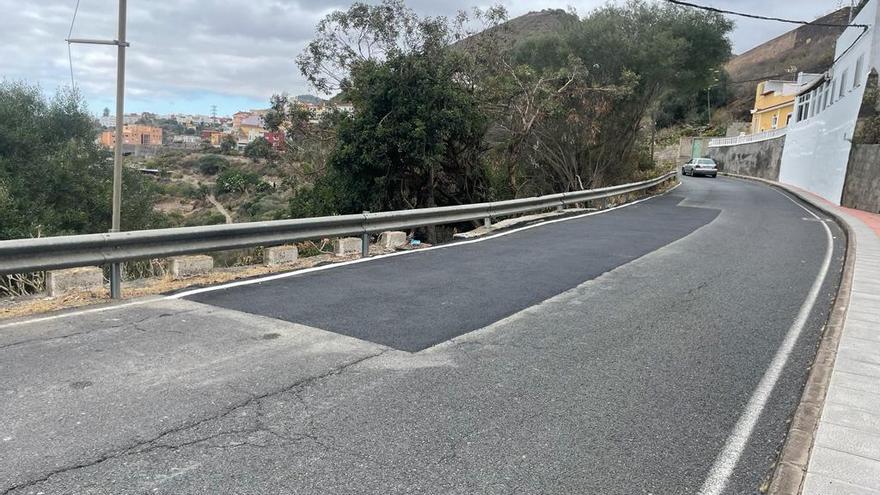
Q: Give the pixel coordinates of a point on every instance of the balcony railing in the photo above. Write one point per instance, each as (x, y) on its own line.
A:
(749, 138)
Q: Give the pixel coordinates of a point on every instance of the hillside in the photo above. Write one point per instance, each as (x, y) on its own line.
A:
(808, 48)
(524, 26)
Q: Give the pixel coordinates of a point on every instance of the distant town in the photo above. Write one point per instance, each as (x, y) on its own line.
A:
(147, 134)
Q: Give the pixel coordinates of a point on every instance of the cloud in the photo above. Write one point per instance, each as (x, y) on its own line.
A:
(241, 51)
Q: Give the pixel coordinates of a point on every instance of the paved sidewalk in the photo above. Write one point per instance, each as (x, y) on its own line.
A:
(845, 458)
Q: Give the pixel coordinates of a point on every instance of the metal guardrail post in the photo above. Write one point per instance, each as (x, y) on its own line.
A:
(487, 222)
(365, 239)
(116, 280)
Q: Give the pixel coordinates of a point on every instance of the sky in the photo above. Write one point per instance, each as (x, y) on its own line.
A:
(187, 55)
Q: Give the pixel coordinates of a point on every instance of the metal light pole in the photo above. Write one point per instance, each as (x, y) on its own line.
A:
(121, 44)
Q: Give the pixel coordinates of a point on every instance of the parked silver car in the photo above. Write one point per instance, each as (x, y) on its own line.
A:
(700, 166)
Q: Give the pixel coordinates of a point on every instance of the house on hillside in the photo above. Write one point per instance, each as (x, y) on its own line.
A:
(775, 102)
(213, 137)
(251, 127)
(135, 135)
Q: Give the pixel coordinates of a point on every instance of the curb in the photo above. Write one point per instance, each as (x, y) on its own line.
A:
(791, 466)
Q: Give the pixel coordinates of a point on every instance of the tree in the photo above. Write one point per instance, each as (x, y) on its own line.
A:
(258, 148)
(415, 140)
(54, 179)
(212, 164)
(634, 57)
(416, 136)
(228, 144)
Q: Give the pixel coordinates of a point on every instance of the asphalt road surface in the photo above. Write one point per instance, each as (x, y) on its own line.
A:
(608, 354)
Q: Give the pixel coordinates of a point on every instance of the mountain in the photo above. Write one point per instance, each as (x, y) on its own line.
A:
(512, 31)
(809, 48)
(310, 99)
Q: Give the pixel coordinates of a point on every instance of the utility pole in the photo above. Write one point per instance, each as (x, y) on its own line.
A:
(709, 104)
(116, 222)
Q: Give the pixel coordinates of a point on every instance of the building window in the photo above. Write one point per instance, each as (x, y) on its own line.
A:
(788, 119)
(843, 78)
(833, 90)
(774, 122)
(857, 77)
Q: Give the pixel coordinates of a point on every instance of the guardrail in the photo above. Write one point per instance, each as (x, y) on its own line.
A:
(53, 253)
(749, 138)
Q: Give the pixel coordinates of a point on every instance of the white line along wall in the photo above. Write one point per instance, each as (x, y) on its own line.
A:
(817, 146)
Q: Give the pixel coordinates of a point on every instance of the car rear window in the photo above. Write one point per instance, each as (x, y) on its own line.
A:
(706, 162)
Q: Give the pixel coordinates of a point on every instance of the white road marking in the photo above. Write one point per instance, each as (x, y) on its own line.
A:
(725, 462)
(80, 312)
(317, 268)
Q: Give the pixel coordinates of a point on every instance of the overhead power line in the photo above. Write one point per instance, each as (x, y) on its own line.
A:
(765, 18)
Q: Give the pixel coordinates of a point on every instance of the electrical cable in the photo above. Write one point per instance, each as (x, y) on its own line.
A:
(764, 18)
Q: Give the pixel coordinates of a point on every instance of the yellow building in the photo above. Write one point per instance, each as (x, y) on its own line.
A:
(775, 102)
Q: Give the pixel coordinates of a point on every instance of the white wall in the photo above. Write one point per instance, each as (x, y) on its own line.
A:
(817, 148)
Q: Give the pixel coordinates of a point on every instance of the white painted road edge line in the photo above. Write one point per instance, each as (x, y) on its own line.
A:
(80, 312)
(726, 461)
(268, 278)
(402, 253)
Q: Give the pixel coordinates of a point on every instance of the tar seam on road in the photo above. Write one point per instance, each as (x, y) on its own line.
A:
(726, 461)
(278, 276)
(181, 295)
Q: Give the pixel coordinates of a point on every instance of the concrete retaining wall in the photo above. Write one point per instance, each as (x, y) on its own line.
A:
(761, 159)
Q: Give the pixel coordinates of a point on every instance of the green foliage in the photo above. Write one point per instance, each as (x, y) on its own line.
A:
(416, 136)
(212, 164)
(586, 91)
(235, 180)
(54, 179)
(258, 148)
(415, 140)
(228, 144)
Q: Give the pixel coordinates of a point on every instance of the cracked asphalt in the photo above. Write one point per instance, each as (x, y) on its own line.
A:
(623, 377)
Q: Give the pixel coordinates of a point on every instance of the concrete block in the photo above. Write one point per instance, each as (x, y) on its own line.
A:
(59, 282)
(346, 245)
(280, 255)
(392, 239)
(190, 266)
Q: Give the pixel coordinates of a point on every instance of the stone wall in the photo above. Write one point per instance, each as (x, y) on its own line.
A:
(761, 159)
(861, 189)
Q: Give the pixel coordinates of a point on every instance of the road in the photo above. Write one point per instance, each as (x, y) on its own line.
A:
(613, 353)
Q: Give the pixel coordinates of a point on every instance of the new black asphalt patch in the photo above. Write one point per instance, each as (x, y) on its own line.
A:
(418, 300)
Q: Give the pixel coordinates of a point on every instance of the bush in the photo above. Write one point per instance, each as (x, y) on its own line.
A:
(258, 148)
(233, 180)
(212, 164)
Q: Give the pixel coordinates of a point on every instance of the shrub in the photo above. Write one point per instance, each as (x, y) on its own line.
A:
(212, 164)
(233, 180)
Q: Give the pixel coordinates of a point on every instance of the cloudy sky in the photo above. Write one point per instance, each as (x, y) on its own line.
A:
(187, 55)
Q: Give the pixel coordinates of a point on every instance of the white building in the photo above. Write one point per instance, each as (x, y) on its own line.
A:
(110, 120)
(818, 142)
